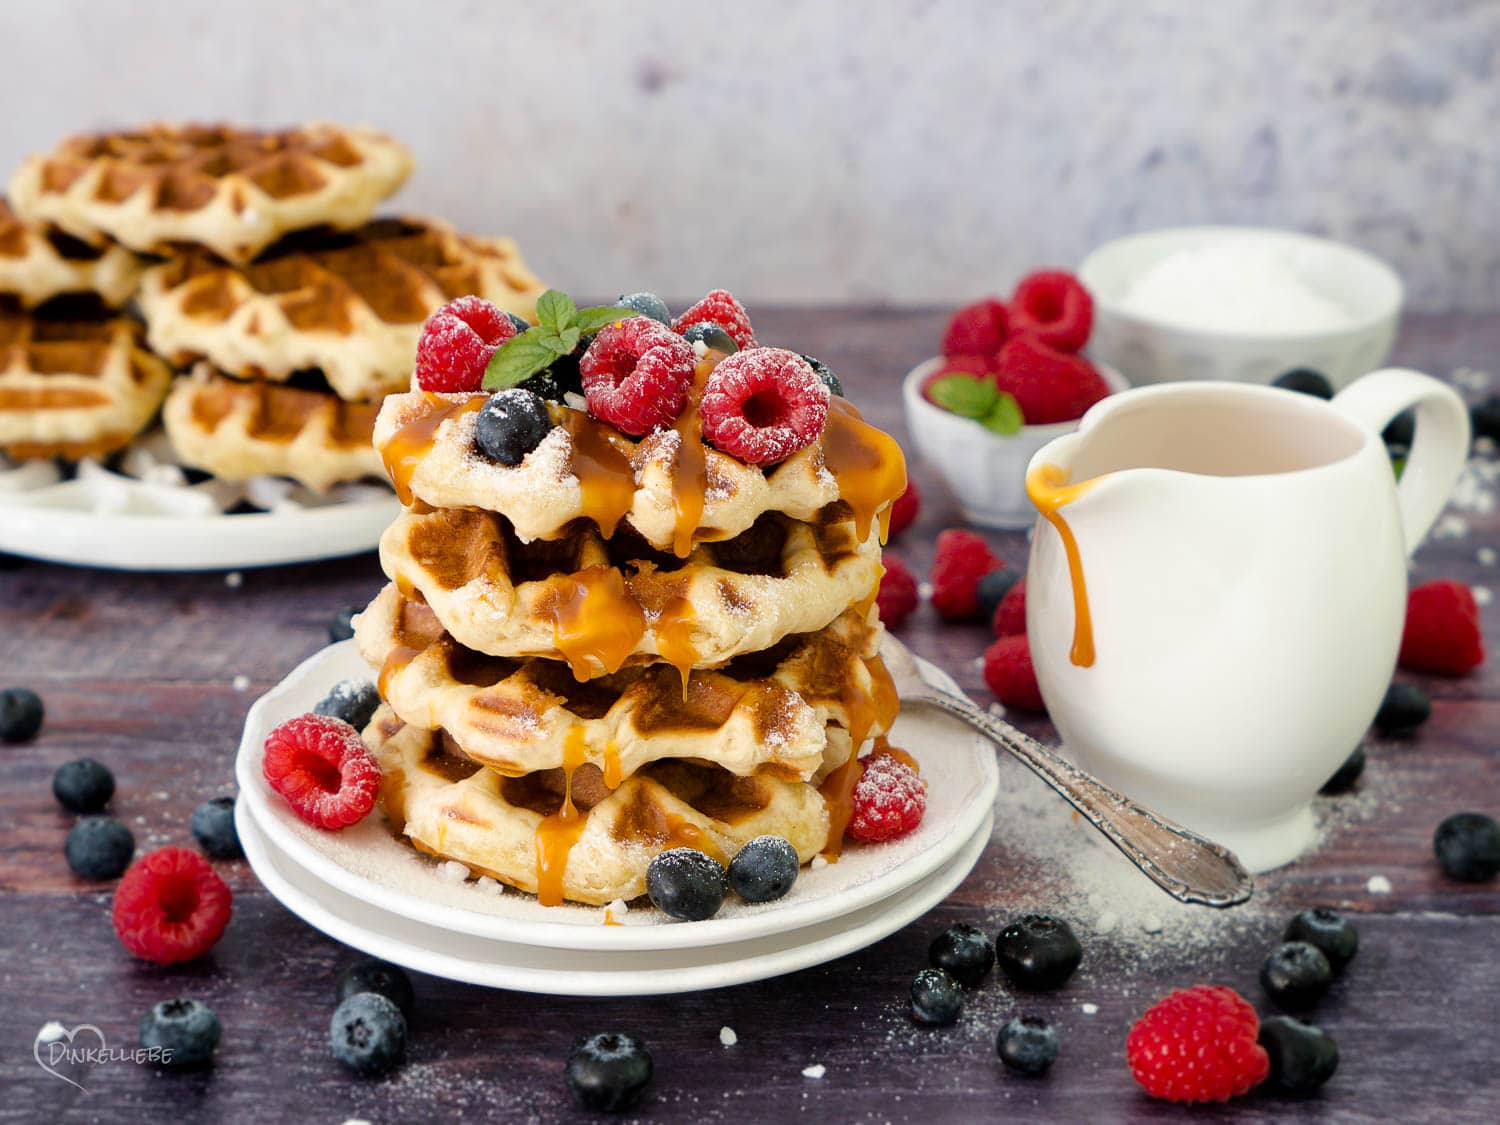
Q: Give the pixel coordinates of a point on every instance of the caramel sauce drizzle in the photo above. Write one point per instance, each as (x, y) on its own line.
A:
(413, 441)
(604, 473)
(556, 834)
(685, 834)
(396, 662)
(673, 630)
(612, 776)
(1050, 491)
(690, 463)
(609, 918)
(867, 463)
(865, 710)
(596, 623)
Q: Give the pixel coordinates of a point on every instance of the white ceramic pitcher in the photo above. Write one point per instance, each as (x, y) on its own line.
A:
(1217, 590)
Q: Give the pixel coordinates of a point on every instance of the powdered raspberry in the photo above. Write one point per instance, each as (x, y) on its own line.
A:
(322, 768)
(1048, 385)
(1010, 614)
(1008, 673)
(898, 593)
(763, 405)
(904, 510)
(962, 560)
(977, 329)
(171, 906)
(1442, 629)
(719, 307)
(1052, 306)
(636, 375)
(982, 366)
(889, 800)
(1198, 1045)
(457, 343)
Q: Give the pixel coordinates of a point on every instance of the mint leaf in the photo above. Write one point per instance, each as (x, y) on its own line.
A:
(591, 320)
(519, 358)
(968, 396)
(569, 337)
(1004, 417)
(555, 310)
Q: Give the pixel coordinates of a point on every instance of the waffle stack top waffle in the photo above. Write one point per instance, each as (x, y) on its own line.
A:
(608, 633)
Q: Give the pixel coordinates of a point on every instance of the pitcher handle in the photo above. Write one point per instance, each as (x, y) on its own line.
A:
(1440, 446)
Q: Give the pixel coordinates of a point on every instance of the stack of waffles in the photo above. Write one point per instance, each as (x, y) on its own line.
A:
(264, 276)
(622, 645)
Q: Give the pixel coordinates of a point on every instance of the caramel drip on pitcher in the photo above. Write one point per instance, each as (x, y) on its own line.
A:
(557, 834)
(596, 623)
(1050, 491)
(868, 465)
(413, 441)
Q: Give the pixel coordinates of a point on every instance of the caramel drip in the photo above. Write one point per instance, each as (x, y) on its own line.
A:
(886, 699)
(882, 746)
(556, 834)
(612, 776)
(604, 473)
(674, 638)
(838, 794)
(685, 834)
(609, 918)
(396, 662)
(865, 710)
(413, 441)
(1050, 491)
(690, 464)
(596, 624)
(868, 465)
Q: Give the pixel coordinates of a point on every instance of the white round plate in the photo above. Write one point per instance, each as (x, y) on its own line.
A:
(371, 864)
(563, 972)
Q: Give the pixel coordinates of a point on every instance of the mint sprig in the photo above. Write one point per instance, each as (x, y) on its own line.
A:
(560, 325)
(977, 399)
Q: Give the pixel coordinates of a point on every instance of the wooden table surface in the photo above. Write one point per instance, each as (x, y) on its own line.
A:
(138, 670)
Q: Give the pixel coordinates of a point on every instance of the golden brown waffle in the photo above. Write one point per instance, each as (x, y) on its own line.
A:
(39, 263)
(73, 386)
(238, 430)
(599, 604)
(348, 304)
(594, 847)
(235, 191)
(788, 710)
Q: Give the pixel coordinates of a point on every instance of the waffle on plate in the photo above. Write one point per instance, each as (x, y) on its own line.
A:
(40, 263)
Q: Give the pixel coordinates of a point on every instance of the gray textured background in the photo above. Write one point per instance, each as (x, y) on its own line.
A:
(825, 151)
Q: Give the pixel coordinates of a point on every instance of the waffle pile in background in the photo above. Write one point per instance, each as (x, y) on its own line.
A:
(252, 265)
(631, 598)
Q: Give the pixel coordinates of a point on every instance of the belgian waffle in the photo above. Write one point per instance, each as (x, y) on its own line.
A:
(237, 430)
(599, 603)
(584, 842)
(349, 304)
(39, 263)
(74, 386)
(234, 191)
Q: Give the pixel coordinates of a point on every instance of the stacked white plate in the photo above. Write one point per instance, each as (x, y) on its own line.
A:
(368, 889)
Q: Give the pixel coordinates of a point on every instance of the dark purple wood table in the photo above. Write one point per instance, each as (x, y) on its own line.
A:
(139, 672)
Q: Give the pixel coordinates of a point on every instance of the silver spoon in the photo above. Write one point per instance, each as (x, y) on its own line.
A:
(1182, 863)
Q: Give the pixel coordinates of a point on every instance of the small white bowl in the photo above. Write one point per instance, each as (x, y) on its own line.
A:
(986, 472)
(1157, 351)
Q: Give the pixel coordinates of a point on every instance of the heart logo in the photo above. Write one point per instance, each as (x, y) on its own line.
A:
(52, 1036)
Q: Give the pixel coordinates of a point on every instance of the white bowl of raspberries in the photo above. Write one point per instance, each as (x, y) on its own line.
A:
(1011, 378)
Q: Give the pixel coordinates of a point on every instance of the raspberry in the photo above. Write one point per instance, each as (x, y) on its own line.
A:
(898, 593)
(718, 306)
(1009, 674)
(1442, 630)
(904, 510)
(1198, 1045)
(888, 801)
(457, 343)
(322, 768)
(171, 906)
(636, 375)
(980, 365)
(1048, 385)
(1010, 614)
(962, 560)
(1052, 306)
(763, 405)
(977, 329)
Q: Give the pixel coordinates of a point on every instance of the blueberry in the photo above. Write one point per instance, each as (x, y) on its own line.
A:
(1485, 418)
(994, 586)
(564, 371)
(686, 884)
(963, 952)
(380, 977)
(521, 323)
(647, 304)
(1404, 708)
(1468, 847)
(544, 385)
(1296, 974)
(184, 1031)
(510, 425)
(1303, 1057)
(341, 628)
(713, 336)
(607, 1073)
(20, 714)
(213, 827)
(936, 998)
(1028, 1045)
(99, 847)
(825, 373)
(1401, 430)
(354, 701)
(1346, 775)
(367, 1033)
(764, 869)
(1330, 931)
(83, 785)
(1305, 381)
(1038, 951)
